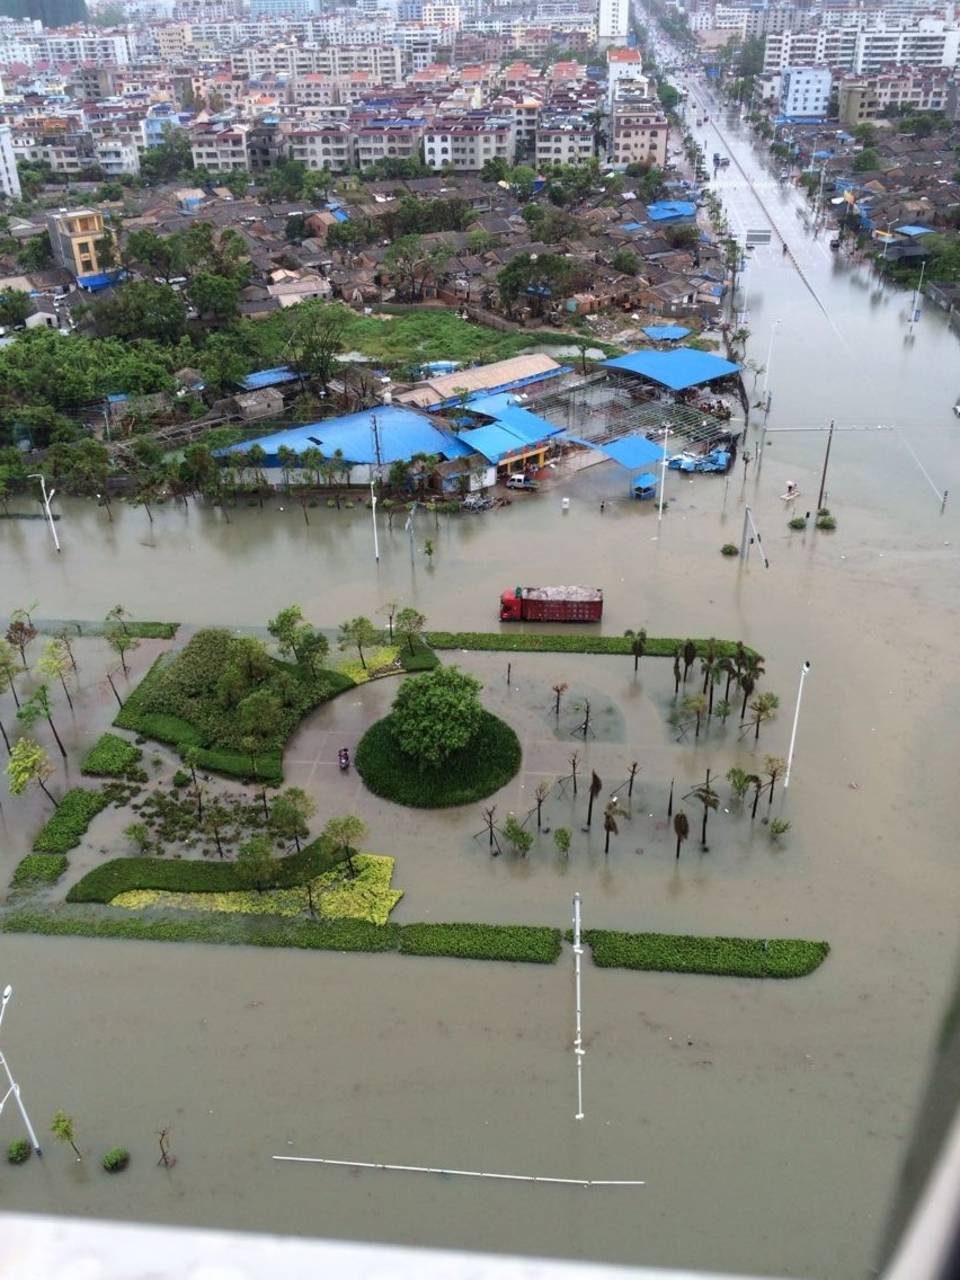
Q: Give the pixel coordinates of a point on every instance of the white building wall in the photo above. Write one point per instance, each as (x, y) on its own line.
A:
(9, 180)
(805, 92)
(613, 21)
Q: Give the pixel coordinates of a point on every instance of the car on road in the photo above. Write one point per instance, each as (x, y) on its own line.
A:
(520, 481)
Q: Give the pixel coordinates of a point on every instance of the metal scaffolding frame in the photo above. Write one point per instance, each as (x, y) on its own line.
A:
(607, 406)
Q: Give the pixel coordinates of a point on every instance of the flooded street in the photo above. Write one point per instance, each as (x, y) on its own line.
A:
(768, 1119)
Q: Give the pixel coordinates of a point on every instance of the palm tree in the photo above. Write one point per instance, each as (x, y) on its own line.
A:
(763, 708)
(751, 669)
(610, 815)
(695, 704)
(681, 827)
(596, 786)
(676, 671)
(704, 794)
(757, 783)
(746, 684)
(739, 781)
(638, 645)
(689, 657)
(773, 766)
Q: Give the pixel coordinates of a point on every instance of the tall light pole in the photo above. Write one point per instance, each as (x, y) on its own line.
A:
(578, 1049)
(804, 671)
(376, 540)
(46, 505)
(766, 372)
(823, 474)
(12, 1086)
(663, 472)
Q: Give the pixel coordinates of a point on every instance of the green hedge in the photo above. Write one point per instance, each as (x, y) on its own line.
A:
(121, 875)
(553, 642)
(419, 660)
(320, 935)
(68, 825)
(269, 765)
(532, 944)
(679, 953)
(152, 630)
(39, 868)
(152, 724)
(110, 757)
(484, 766)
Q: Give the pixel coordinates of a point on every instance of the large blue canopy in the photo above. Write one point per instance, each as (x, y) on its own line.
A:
(507, 413)
(399, 434)
(632, 452)
(683, 367)
(914, 230)
(671, 210)
(268, 378)
(666, 332)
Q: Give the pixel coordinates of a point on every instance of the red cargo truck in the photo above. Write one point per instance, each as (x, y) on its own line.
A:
(551, 604)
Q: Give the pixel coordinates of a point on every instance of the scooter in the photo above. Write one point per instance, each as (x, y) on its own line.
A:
(343, 757)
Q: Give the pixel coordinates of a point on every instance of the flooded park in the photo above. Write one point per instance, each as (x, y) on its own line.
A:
(767, 1119)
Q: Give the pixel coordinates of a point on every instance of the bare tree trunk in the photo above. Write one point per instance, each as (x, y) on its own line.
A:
(63, 750)
(43, 788)
(6, 740)
(67, 692)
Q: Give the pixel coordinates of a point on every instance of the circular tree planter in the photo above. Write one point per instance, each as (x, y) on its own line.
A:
(486, 764)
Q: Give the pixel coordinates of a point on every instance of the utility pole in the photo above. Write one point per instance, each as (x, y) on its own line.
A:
(915, 302)
(826, 459)
(749, 524)
(46, 506)
(663, 472)
(376, 541)
(766, 373)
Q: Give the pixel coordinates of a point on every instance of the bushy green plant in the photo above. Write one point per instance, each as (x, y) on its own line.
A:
(180, 778)
(116, 1159)
(122, 875)
(420, 660)
(826, 521)
(679, 953)
(489, 762)
(529, 943)
(68, 825)
(111, 756)
(798, 522)
(38, 868)
(729, 549)
(18, 1151)
(436, 715)
(556, 642)
(198, 698)
(779, 827)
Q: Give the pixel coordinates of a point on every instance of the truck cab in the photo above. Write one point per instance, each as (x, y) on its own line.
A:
(511, 609)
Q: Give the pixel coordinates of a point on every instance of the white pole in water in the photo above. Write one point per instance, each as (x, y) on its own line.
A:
(578, 1048)
(804, 671)
(376, 542)
(663, 472)
(46, 506)
(14, 1087)
(766, 373)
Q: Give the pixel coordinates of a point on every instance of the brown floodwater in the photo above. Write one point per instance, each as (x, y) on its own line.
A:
(768, 1119)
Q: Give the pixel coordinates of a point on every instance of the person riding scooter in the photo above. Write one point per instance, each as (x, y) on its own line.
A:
(343, 756)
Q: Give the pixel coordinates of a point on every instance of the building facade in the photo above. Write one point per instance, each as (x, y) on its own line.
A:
(805, 92)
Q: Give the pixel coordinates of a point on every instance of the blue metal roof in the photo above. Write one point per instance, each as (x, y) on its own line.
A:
(527, 426)
(401, 433)
(682, 367)
(341, 215)
(632, 452)
(647, 481)
(666, 332)
(671, 210)
(268, 378)
(912, 230)
(631, 226)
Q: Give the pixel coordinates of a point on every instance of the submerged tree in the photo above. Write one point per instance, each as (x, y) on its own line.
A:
(638, 645)
(55, 662)
(38, 707)
(681, 828)
(62, 1129)
(346, 834)
(360, 632)
(29, 763)
(256, 865)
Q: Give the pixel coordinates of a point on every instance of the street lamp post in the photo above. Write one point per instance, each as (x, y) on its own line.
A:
(804, 670)
(376, 540)
(46, 505)
(766, 372)
(663, 472)
(12, 1087)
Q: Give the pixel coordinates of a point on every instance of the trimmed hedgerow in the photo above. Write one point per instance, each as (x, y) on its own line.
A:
(421, 659)
(269, 766)
(485, 765)
(122, 875)
(38, 868)
(110, 757)
(164, 728)
(532, 944)
(733, 957)
(68, 825)
(552, 642)
(152, 630)
(318, 935)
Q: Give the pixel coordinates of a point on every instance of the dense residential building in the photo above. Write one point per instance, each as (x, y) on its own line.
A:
(870, 46)
(613, 22)
(78, 238)
(467, 144)
(220, 149)
(862, 98)
(638, 132)
(564, 140)
(9, 178)
(624, 67)
(805, 92)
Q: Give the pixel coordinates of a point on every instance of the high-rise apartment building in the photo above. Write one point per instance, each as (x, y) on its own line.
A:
(613, 22)
(9, 180)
